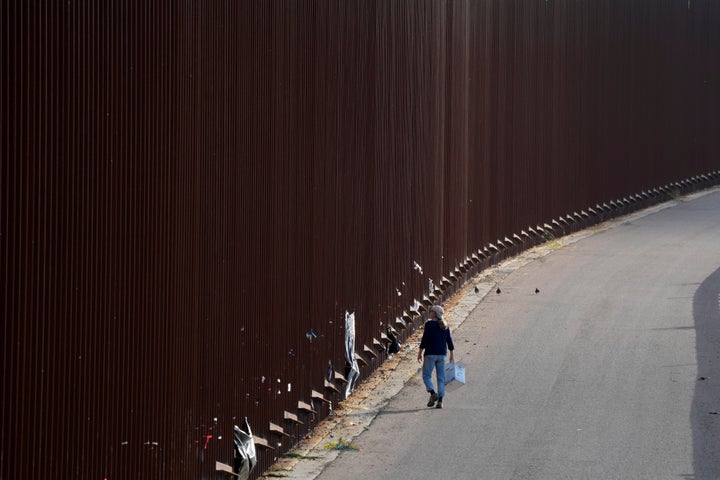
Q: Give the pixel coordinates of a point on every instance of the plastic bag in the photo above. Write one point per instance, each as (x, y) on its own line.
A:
(245, 454)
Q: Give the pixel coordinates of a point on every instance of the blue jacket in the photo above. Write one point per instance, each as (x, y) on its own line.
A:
(436, 341)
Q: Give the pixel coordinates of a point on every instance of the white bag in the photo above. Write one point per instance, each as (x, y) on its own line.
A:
(454, 371)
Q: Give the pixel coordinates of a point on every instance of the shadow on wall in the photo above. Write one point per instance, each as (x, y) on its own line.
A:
(705, 413)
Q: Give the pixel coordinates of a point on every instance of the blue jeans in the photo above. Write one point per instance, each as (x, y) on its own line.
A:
(436, 362)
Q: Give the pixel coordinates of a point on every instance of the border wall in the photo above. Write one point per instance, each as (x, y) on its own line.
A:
(195, 194)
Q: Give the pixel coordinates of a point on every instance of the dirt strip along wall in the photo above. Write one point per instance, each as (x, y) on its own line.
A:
(193, 195)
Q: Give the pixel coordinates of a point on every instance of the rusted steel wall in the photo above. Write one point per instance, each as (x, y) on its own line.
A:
(194, 194)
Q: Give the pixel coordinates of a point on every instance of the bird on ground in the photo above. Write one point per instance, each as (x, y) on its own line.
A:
(498, 291)
(477, 290)
(537, 290)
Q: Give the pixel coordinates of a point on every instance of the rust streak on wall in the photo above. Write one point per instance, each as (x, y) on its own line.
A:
(194, 193)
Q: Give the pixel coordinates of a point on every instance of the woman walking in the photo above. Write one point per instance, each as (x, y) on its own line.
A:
(436, 341)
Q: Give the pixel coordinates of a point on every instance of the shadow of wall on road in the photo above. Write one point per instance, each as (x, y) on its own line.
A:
(705, 412)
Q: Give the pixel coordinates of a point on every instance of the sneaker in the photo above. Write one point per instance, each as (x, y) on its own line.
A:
(439, 404)
(433, 399)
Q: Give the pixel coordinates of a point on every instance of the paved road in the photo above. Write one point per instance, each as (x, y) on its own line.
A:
(596, 377)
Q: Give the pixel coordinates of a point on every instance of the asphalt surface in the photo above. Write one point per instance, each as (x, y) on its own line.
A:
(611, 371)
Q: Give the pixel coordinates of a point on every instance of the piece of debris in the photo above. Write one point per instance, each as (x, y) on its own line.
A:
(341, 445)
(394, 346)
(245, 457)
